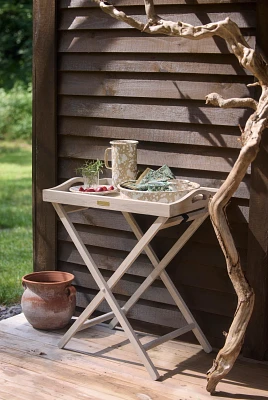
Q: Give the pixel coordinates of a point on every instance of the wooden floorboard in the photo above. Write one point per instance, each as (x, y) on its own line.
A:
(100, 364)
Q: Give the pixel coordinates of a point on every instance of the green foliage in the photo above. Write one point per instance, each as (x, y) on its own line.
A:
(15, 219)
(90, 168)
(16, 114)
(15, 159)
(15, 42)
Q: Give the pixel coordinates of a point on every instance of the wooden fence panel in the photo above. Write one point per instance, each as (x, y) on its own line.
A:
(115, 82)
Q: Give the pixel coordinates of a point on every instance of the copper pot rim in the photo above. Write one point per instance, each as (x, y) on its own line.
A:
(66, 277)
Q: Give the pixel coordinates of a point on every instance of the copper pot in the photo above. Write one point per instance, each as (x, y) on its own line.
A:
(48, 301)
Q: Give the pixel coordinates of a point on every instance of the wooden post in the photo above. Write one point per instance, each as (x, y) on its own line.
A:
(256, 341)
(44, 132)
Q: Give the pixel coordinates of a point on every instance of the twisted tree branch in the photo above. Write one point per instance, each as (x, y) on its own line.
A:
(216, 99)
(226, 29)
(250, 139)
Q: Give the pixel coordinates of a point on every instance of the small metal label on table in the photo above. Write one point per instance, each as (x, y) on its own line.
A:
(103, 203)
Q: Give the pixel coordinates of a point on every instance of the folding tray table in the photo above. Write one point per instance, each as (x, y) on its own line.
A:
(191, 208)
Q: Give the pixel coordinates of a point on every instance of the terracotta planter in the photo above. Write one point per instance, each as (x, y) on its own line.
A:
(48, 301)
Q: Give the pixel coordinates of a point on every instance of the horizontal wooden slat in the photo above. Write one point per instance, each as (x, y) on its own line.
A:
(194, 256)
(67, 169)
(105, 258)
(213, 332)
(214, 181)
(134, 42)
(238, 210)
(205, 234)
(196, 276)
(193, 275)
(115, 220)
(167, 87)
(172, 111)
(154, 158)
(210, 301)
(147, 311)
(239, 227)
(196, 134)
(194, 253)
(111, 239)
(91, 4)
(103, 218)
(221, 64)
(121, 240)
(202, 255)
(97, 19)
(110, 219)
(197, 298)
(144, 312)
(212, 325)
(125, 287)
(202, 158)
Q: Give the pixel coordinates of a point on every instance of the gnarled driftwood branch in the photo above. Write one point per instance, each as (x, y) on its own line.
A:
(217, 100)
(250, 139)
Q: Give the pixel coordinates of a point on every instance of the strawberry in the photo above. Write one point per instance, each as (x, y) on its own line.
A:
(90, 190)
(81, 189)
(104, 188)
(99, 189)
(110, 187)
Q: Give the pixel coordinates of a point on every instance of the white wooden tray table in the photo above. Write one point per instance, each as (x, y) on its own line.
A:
(191, 208)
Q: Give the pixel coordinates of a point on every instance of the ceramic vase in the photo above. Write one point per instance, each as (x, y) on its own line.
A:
(124, 160)
(48, 301)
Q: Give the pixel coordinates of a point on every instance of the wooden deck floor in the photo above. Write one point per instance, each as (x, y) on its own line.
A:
(105, 367)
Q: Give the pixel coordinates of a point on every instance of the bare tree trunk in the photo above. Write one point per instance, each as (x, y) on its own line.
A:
(250, 140)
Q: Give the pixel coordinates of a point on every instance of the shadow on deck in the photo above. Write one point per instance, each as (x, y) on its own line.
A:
(101, 364)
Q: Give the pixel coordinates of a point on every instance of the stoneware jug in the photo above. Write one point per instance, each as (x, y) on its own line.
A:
(48, 301)
(124, 160)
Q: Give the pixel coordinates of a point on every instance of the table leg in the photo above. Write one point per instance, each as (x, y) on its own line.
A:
(105, 287)
(160, 270)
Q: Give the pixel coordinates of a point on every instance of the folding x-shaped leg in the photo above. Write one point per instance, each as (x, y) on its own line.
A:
(106, 287)
(160, 271)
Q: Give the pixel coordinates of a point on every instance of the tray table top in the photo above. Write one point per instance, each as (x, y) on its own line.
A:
(194, 200)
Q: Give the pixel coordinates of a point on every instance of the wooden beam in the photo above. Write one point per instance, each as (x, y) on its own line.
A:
(44, 132)
(256, 341)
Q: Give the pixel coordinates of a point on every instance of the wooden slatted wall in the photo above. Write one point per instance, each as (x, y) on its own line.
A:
(115, 82)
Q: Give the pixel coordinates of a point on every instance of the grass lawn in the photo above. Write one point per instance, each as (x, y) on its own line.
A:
(15, 218)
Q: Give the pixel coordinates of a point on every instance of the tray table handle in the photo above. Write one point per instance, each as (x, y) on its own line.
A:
(198, 197)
